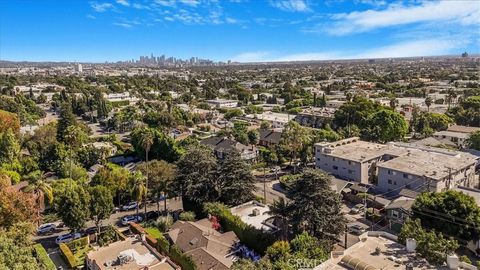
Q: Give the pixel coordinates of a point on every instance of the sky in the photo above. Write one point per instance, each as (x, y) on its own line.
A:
(237, 30)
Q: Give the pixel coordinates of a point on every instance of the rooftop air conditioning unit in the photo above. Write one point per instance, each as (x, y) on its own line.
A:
(255, 212)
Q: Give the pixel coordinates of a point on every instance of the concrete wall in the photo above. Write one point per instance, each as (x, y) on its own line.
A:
(398, 181)
(344, 169)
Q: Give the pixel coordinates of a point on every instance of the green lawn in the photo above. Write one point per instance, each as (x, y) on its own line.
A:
(154, 232)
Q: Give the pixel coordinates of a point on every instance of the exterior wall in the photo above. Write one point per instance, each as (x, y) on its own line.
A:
(341, 168)
(460, 142)
(391, 180)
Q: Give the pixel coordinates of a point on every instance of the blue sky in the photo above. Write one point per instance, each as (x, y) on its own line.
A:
(240, 30)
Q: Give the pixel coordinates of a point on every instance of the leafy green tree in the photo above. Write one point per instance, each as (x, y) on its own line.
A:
(308, 247)
(253, 136)
(42, 191)
(315, 207)
(9, 148)
(16, 247)
(386, 125)
(161, 174)
(357, 111)
(235, 182)
(451, 212)
(278, 250)
(294, 139)
(281, 209)
(73, 206)
(428, 102)
(66, 119)
(240, 132)
(115, 178)
(431, 245)
(196, 175)
(474, 140)
(101, 204)
(163, 146)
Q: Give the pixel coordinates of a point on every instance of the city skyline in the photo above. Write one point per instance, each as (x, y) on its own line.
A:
(240, 30)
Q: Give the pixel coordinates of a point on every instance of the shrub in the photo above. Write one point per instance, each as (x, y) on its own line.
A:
(247, 234)
(187, 216)
(43, 257)
(465, 259)
(68, 255)
(287, 180)
(164, 223)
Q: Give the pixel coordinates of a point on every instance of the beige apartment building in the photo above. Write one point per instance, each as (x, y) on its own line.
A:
(394, 166)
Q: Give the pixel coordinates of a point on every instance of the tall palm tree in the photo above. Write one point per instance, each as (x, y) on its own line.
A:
(146, 141)
(281, 209)
(138, 188)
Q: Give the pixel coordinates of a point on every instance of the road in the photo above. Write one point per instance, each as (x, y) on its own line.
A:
(272, 194)
(48, 241)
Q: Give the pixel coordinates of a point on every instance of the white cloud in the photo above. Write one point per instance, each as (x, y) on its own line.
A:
(165, 3)
(291, 5)
(423, 47)
(251, 57)
(123, 2)
(90, 16)
(101, 7)
(192, 3)
(124, 25)
(462, 12)
(428, 47)
(140, 6)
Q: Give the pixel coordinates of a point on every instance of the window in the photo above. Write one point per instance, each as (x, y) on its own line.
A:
(318, 159)
(335, 167)
(390, 181)
(390, 172)
(395, 214)
(334, 159)
(408, 186)
(349, 162)
(350, 171)
(395, 183)
(405, 175)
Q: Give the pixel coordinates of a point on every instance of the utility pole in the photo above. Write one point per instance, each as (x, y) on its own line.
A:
(346, 236)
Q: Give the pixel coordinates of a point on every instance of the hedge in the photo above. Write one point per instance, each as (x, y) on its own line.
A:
(43, 257)
(185, 261)
(248, 235)
(68, 255)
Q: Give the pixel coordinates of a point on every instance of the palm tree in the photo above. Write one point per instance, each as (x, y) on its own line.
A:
(281, 209)
(146, 141)
(393, 103)
(139, 189)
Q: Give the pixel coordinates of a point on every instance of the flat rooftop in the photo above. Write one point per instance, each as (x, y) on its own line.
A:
(433, 164)
(392, 256)
(139, 256)
(245, 212)
(271, 116)
(355, 150)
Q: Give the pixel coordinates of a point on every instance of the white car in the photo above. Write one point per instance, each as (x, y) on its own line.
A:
(356, 229)
(46, 228)
(67, 238)
(358, 208)
(129, 206)
(127, 219)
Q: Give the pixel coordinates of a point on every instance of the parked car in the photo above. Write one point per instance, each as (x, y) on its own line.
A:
(358, 208)
(46, 228)
(356, 229)
(150, 215)
(129, 206)
(131, 218)
(67, 238)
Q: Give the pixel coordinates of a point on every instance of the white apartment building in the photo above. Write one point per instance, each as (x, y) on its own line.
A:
(394, 166)
(276, 120)
(222, 103)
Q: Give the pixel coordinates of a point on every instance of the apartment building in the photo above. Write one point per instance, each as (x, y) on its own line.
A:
(394, 166)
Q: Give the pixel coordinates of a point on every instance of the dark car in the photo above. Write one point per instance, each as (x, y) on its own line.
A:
(150, 215)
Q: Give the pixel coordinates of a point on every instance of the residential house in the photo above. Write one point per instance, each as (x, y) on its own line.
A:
(459, 135)
(133, 253)
(269, 137)
(398, 211)
(276, 120)
(221, 146)
(257, 215)
(209, 249)
(315, 117)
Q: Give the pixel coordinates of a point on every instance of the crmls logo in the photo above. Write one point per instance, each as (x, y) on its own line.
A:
(304, 264)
